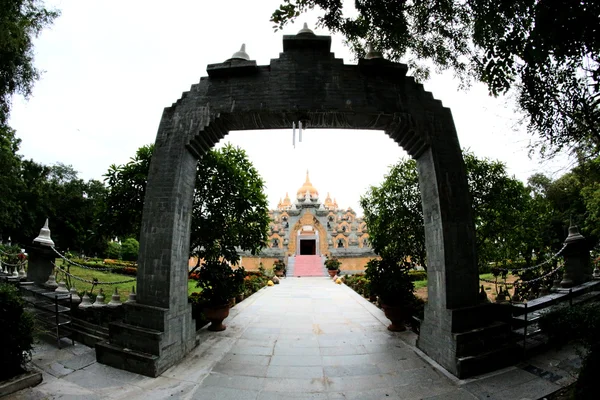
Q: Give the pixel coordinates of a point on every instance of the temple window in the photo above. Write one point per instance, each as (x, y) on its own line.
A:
(340, 243)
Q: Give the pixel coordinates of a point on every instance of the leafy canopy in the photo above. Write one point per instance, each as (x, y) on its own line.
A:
(230, 207)
(547, 52)
(394, 215)
(230, 210)
(20, 22)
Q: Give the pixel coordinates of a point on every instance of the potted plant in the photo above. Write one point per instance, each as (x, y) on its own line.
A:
(279, 268)
(390, 281)
(220, 284)
(333, 265)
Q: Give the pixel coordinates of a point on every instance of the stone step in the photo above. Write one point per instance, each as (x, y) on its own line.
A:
(500, 357)
(140, 339)
(482, 339)
(308, 265)
(127, 359)
(87, 333)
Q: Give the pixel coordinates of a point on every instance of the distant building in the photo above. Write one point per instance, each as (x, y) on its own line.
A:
(308, 226)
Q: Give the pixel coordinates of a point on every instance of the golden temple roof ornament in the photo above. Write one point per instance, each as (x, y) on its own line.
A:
(307, 188)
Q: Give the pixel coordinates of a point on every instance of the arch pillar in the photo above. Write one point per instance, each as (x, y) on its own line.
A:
(158, 330)
(452, 273)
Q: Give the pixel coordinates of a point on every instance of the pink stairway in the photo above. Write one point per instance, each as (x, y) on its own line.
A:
(308, 266)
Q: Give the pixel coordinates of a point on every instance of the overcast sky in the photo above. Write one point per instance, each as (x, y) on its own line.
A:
(111, 67)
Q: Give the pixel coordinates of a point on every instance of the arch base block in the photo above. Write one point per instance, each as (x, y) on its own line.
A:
(149, 340)
(469, 341)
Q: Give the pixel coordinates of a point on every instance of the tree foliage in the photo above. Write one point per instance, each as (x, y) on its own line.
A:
(230, 207)
(10, 184)
(20, 22)
(394, 216)
(393, 212)
(127, 188)
(548, 52)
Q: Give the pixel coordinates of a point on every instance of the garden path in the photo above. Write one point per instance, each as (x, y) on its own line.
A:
(306, 338)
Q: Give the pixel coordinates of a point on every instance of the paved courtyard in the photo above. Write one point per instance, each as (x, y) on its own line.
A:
(306, 338)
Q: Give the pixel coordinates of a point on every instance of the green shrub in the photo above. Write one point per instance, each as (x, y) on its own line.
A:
(579, 323)
(16, 334)
(417, 275)
(113, 250)
(130, 249)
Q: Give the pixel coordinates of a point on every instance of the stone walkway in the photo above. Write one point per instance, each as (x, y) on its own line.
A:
(306, 338)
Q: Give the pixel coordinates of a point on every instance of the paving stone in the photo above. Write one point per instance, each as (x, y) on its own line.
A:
(297, 361)
(297, 351)
(308, 385)
(235, 382)
(354, 370)
(292, 395)
(223, 393)
(56, 369)
(371, 394)
(343, 350)
(282, 371)
(80, 361)
(346, 360)
(239, 369)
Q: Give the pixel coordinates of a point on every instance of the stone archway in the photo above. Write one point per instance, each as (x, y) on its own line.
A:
(306, 83)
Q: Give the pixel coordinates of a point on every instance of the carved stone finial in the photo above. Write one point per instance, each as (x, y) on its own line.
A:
(44, 236)
(305, 30)
(115, 299)
(85, 301)
(241, 54)
(372, 53)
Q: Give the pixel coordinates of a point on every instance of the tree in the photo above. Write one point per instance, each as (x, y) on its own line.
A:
(394, 215)
(73, 206)
(230, 207)
(548, 52)
(125, 199)
(10, 182)
(20, 22)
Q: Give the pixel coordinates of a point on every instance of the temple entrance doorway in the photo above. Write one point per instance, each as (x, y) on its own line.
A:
(308, 247)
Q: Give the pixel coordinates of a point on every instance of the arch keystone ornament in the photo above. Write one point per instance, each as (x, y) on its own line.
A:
(305, 83)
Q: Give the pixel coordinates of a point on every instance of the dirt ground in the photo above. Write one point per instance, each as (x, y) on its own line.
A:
(490, 289)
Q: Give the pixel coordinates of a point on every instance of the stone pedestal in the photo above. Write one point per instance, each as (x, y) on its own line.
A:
(468, 341)
(39, 263)
(149, 340)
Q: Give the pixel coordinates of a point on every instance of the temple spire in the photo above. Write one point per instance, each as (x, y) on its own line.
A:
(307, 180)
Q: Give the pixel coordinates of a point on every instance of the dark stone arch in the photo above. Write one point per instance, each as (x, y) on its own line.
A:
(305, 83)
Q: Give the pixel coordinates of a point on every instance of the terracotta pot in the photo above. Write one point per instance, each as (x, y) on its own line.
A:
(216, 315)
(396, 314)
(332, 272)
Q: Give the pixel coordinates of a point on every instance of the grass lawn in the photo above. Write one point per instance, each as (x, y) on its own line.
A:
(490, 288)
(420, 284)
(123, 288)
